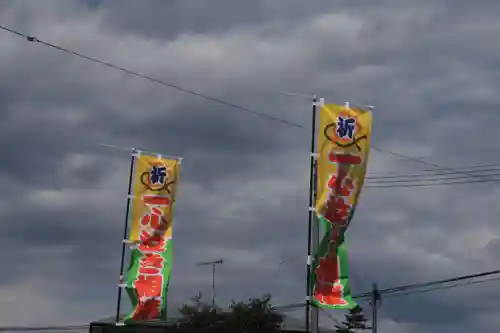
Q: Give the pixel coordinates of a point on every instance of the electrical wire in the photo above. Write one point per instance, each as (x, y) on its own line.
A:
(282, 308)
(430, 283)
(211, 98)
(416, 287)
(478, 181)
(482, 177)
(152, 79)
(436, 170)
(413, 292)
(332, 318)
(289, 307)
(399, 291)
(433, 175)
(417, 179)
(433, 179)
(479, 178)
(423, 179)
(422, 161)
(467, 283)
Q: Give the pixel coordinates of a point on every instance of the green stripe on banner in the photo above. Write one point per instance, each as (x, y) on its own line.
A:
(330, 282)
(138, 281)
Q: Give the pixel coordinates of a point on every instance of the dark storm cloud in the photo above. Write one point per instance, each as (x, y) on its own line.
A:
(426, 66)
(158, 18)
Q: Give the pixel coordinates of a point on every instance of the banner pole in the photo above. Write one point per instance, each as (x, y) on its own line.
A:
(315, 243)
(311, 214)
(125, 229)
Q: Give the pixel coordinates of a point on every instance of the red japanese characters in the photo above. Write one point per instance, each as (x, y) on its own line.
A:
(336, 209)
(150, 280)
(327, 289)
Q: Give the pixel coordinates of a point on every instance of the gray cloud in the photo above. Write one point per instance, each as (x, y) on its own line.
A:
(428, 68)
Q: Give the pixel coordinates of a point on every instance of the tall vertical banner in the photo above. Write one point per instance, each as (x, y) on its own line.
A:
(343, 148)
(147, 277)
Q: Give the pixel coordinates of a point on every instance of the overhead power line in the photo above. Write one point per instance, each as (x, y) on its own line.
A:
(441, 287)
(333, 319)
(415, 288)
(434, 165)
(398, 291)
(195, 93)
(416, 179)
(477, 181)
(420, 291)
(432, 173)
(468, 173)
(152, 79)
(71, 328)
(430, 283)
(434, 170)
(440, 177)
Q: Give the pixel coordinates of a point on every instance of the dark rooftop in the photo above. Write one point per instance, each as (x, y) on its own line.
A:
(290, 324)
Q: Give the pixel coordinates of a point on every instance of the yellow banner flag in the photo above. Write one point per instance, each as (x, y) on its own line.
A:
(153, 196)
(154, 190)
(343, 146)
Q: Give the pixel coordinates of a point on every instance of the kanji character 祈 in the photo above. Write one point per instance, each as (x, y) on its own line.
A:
(157, 175)
(345, 127)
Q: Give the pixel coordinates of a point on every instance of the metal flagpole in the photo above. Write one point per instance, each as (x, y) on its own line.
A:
(311, 214)
(315, 244)
(125, 229)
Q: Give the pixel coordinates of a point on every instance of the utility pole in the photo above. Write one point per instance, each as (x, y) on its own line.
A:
(374, 303)
(213, 263)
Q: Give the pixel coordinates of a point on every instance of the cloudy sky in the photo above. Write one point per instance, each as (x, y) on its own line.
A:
(427, 66)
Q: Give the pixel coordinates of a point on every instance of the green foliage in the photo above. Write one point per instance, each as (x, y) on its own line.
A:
(255, 315)
(354, 320)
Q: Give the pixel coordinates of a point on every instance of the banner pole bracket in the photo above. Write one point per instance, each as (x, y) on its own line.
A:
(319, 102)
